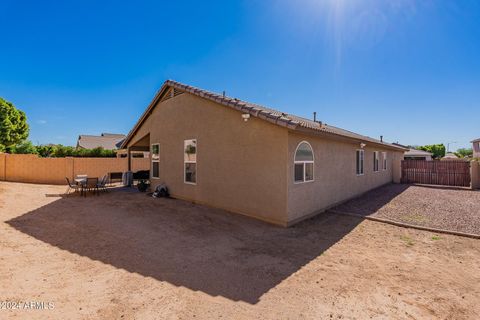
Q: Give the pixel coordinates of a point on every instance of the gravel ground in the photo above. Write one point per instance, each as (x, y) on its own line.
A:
(430, 206)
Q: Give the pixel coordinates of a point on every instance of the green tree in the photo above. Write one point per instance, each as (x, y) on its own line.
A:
(464, 152)
(25, 147)
(46, 151)
(63, 151)
(13, 125)
(438, 150)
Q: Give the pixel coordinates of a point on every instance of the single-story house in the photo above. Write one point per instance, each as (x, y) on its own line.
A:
(476, 148)
(108, 141)
(450, 156)
(242, 157)
(415, 154)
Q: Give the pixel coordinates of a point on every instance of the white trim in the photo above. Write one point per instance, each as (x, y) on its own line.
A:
(303, 163)
(362, 160)
(155, 160)
(185, 162)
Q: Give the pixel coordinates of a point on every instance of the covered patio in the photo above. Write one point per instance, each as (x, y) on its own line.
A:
(142, 145)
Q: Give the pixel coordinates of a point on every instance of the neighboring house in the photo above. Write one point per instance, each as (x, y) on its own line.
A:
(108, 141)
(450, 156)
(476, 148)
(249, 159)
(415, 154)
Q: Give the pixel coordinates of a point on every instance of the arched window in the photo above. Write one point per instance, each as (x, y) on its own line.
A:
(303, 162)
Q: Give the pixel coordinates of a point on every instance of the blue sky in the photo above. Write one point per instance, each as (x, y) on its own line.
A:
(407, 70)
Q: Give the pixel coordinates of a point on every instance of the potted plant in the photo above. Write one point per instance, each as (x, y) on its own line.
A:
(143, 185)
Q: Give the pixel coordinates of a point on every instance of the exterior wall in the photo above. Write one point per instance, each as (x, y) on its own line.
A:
(335, 178)
(241, 166)
(31, 168)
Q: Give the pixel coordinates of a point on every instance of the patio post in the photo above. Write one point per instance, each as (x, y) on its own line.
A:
(129, 156)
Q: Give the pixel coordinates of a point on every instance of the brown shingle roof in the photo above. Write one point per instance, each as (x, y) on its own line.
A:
(107, 141)
(274, 116)
(419, 153)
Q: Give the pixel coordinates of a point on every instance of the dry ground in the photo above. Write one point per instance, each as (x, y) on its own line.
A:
(124, 255)
(449, 208)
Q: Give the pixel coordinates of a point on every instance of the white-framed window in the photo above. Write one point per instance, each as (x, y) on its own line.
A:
(376, 160)
(303, 163)
(190, 161)
(155, 152)
(384, 157)
(360, 157)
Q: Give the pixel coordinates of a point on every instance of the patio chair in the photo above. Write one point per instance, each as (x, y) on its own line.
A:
(71, 186)
(91, 184)
(102, 185)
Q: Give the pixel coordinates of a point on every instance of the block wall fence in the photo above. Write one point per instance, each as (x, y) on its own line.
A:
(33, 169)
(475, 173)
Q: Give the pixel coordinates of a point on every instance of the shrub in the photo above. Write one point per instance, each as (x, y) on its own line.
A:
(60, 151)
(25, 147)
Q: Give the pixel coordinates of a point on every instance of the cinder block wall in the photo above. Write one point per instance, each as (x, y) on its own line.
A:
(33, 169)
(397, 167)
(30, 168)
(475, 173)
(2, 166)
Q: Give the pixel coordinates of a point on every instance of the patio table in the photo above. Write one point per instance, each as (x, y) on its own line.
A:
(81, 180)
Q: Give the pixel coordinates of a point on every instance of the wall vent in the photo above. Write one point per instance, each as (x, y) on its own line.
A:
(167, 95)
(176, 92)
(170, 93)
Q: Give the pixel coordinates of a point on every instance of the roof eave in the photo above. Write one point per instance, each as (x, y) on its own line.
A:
(347, 138)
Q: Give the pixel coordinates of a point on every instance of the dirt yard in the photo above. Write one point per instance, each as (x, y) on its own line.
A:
(124, 255)
(440, 207)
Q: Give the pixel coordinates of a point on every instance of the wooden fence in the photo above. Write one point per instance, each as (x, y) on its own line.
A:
(449, 173)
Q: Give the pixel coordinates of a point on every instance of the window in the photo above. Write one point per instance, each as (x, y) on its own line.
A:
(384, 160)
(303, 163)
(375, 161)
(155, 160)
(360, 159)
(190, 161)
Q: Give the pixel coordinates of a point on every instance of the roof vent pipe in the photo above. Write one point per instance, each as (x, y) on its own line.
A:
(314, 116)
(224, 93)
(381, 138)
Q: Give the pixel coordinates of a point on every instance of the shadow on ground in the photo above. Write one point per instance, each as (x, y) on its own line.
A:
(187, 245)
(370, 202)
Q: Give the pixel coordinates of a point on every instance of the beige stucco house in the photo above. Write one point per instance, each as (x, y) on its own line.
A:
(245, 158)
(107, 141)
